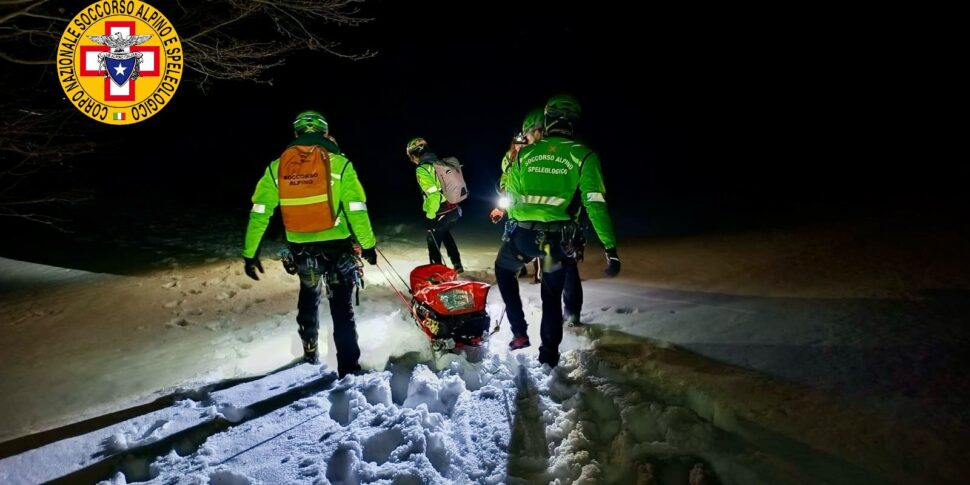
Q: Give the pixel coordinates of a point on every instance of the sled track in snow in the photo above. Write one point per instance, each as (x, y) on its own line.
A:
(188, 440)
(134, 460)
(36, 440)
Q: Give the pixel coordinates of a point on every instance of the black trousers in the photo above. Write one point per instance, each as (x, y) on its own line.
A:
(572, 294)
(521, 246)
(572, 291)
(329, 263)
(440, 233)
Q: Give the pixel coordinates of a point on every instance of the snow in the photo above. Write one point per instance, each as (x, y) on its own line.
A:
(21, 275)
(65, 456)
(353, 431)
(435, 394)
(672, 379)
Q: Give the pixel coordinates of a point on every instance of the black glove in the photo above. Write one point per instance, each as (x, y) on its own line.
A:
(369, 255)
(252, 264)
(430, 224)
(612, 263)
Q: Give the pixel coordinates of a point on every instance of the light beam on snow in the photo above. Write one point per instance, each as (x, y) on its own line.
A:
(385, 336)
(266, 355)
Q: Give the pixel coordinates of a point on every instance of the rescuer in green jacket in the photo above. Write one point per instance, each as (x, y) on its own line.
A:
(324, 209)
(440, 216)
(548, 184)
(532, 127)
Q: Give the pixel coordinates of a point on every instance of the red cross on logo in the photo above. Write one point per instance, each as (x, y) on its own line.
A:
(90, 67)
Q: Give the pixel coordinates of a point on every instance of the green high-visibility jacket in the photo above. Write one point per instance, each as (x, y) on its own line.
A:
(551, 178)
(506, 162)
(349, 202)
(430, 188)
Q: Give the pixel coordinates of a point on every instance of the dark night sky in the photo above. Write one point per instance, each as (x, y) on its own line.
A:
(462, 76)
(697, 129)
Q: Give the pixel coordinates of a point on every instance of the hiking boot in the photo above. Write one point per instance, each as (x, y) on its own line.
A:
(311, 355)
(571, 319)
(343, 371)
(519, 342)
(552, 360)
(312, 358)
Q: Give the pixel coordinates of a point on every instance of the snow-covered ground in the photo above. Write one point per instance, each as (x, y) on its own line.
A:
(21, 275)
(779, 382)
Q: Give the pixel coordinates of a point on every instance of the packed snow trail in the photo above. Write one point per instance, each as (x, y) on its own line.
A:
(503, 419)
(187, 325)
(617, 412)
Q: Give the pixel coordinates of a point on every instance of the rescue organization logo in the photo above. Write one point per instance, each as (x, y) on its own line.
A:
(119, 61)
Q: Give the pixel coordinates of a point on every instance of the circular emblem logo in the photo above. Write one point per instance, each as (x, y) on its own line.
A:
(119, 61)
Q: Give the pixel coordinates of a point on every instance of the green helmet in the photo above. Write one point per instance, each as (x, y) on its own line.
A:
(562, 107)
(310, 122)
(533, 120)
(416, 146)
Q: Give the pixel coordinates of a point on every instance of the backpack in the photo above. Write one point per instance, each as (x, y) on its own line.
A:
(306, 200)
(452, 180)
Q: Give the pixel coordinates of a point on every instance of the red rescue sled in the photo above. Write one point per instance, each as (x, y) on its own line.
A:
(451, 312)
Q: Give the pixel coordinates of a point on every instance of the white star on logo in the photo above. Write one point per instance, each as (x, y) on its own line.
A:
(120, 70)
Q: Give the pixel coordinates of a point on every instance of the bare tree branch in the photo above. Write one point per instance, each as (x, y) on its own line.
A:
(217, 52)
(23, 11)
(39, 218)
(28, 33)
(4, 3)
(33, 144)
(48, 17)
(224, 40)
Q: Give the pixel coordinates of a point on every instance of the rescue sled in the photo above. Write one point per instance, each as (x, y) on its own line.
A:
(451, 312)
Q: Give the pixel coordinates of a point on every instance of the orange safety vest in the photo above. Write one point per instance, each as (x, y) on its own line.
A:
(305, 189)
